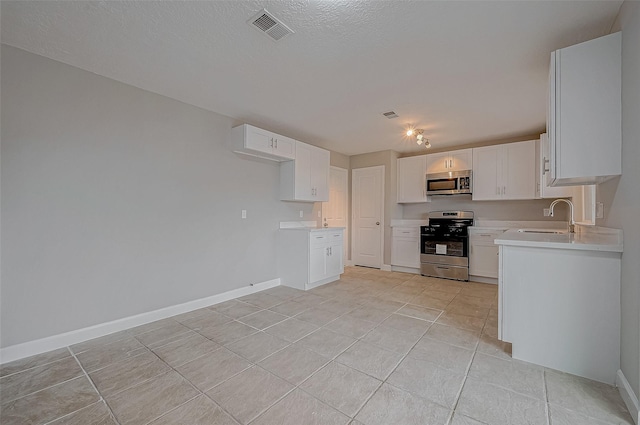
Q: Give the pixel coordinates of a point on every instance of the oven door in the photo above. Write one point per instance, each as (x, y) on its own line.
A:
(444, 250)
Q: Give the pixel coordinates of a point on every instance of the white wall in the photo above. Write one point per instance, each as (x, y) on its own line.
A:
(622, 196)
(117, 201)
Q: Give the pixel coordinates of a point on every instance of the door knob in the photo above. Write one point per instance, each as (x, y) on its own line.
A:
(377, 223)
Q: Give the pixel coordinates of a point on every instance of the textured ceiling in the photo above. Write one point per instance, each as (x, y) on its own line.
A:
(466, 72)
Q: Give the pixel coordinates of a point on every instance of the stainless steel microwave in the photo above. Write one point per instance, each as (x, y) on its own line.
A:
(449, 183)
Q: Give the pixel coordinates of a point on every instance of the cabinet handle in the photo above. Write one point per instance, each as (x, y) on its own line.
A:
(451, 163)
(445, 164)
(276, 144)
(484, 235)
(497, 190)
(271, 144)
(406, 232)
(544, 167)
(330, 251)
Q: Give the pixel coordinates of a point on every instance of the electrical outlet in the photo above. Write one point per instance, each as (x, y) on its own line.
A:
(301, 214)
(244, 213)
(599, 210)
(546, 212)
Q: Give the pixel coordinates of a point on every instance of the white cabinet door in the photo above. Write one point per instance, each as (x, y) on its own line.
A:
(405, 247)
(307, 177)
(302, 173)
(450, 161)
(438, 162)
(320, 163)
(519, 170)
(318, 262)
(542, 169)
(461, 160)
(483, 260)
(411, 179)
(255, 141)
(505, 171)
(259, 139)
(335, 266)
(585, 110)
(284, 147)
(487, 168)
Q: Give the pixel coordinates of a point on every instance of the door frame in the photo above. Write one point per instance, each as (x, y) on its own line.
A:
(381, 169)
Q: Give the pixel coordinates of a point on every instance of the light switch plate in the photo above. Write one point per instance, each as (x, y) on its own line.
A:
(244, 213)
(546, 212)
(599, 210)
(301, 214)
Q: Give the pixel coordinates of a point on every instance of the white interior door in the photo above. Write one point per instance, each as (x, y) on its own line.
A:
(367, 203)
(335, 212)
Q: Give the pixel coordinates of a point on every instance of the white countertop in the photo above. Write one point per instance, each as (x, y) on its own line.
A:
(307, 226)
(585, 239)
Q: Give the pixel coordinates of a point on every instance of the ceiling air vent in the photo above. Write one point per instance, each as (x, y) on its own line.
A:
(269, 25)
(390, 114)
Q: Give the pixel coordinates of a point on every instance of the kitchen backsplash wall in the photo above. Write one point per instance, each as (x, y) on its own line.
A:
(488, 210)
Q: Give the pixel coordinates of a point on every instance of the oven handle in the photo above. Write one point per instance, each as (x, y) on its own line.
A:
(443, 268)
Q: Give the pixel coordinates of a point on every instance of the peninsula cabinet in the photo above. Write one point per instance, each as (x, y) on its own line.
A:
(310, 257)
(450, 161)
(505, 171)
(412, 179)
(585, 112)
(255, 141)
(307, 177)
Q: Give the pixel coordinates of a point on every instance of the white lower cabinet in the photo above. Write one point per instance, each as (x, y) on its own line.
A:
(405, 247)
(310, 257)
(483, 253)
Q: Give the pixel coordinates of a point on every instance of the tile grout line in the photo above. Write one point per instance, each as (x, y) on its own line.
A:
(113, 416)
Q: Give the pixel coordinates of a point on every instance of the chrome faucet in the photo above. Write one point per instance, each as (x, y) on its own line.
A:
(572, 222)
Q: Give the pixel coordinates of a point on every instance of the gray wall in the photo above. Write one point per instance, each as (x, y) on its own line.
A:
(487, 210)
(117, 201)
(622, 195)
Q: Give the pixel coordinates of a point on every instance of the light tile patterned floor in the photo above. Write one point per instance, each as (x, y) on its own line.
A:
(375, 348)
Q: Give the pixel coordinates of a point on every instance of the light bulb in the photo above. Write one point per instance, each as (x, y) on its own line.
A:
(427, 144)
(419, 139)
(410, 132)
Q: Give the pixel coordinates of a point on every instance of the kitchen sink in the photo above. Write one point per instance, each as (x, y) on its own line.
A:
(547, 231)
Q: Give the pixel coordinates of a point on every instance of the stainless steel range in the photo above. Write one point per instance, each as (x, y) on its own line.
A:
(444, 245)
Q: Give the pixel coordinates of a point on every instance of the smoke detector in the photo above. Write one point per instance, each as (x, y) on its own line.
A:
(269, 25)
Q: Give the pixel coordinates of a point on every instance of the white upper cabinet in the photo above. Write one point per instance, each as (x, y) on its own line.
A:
(411, 179)
(307, 177)
(505, 171)
(450, 161)
(585, 110)
(543, 190)
(255, 141)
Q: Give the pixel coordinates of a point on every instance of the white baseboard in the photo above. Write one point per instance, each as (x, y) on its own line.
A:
(31, 348)
(483, 279)
(386, 267)
(629, 397)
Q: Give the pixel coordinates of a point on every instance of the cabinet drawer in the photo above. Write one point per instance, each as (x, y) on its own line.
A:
(406, 232)
(484, 237)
